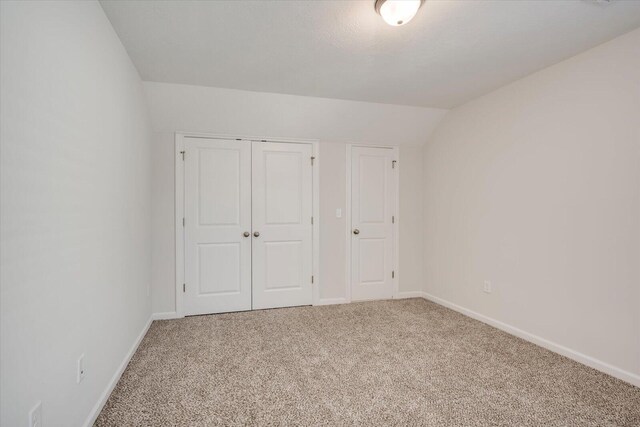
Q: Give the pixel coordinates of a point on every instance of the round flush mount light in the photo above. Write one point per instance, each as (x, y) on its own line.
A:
(398, 12)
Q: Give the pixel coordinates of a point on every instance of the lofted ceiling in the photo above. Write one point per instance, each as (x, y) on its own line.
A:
(451, 52)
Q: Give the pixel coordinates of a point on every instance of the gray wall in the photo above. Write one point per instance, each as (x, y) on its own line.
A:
(536, 187)
(75, 209)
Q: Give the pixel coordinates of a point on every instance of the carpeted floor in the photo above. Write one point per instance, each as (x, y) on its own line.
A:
(405, 362)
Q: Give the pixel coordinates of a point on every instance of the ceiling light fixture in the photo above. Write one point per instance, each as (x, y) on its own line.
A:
(398, 12)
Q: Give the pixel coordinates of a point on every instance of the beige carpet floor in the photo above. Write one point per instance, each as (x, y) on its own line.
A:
(405, 362)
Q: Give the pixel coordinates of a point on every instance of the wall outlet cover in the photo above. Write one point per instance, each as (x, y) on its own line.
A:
(487, 286)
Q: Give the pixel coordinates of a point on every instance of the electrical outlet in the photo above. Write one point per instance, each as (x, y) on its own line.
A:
(487, 286)
(35, 415)
(81, 369)
(338, 213)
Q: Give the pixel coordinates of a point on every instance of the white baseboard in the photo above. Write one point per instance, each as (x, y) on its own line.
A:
(93, 415)
(409, 294)
(167, 315)
(549, 345)
(332, 301)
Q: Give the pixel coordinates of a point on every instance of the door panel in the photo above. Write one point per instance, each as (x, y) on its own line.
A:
(283, 187)
(284, 266)
(219, 181)
(371, 249)
(282, 209)
(373, 204)
(217, 213)
(371, 184)
(219, 268)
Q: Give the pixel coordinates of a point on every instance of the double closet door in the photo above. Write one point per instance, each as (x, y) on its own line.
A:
(248, 225)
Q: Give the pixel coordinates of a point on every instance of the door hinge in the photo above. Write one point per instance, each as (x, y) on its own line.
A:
(393, 164)
(393, 274)
(184, 287)
(393, 219)
(312, 159)
(182, 153)
(312, 280)
(183, 222)
(311, 220)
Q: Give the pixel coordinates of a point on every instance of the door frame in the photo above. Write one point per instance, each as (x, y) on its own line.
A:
(180, 138)
(396, 228)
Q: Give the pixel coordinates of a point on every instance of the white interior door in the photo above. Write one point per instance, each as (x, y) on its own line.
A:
(372, 212)
(282, 230)
(217, 217)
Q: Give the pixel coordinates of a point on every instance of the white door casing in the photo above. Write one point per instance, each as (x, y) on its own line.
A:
(373, 205)
(282, 185)
(217, 203)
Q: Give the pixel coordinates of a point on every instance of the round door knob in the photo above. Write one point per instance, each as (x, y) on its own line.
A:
(356, 231)
(256, 234)
(246, 234)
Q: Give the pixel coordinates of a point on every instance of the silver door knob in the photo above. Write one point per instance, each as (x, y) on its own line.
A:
(256, 234)
(246, 234)
(356, 231)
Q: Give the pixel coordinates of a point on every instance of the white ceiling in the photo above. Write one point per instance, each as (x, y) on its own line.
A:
(451, 52)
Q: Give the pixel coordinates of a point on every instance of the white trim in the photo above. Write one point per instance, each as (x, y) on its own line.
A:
(245, 137)
(97, 408)
(315, 238)
(167, 315)
(179, 228)
(409, 294)
(542, 342)
(332, 301)
(396, 225)
(179, 208)
(347, 216)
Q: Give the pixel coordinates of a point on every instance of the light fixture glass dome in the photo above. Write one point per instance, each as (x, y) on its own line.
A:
(397, 12)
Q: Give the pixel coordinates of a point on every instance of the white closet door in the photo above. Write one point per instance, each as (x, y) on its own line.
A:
(372, 208)
(217, 215)
(282, 231)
